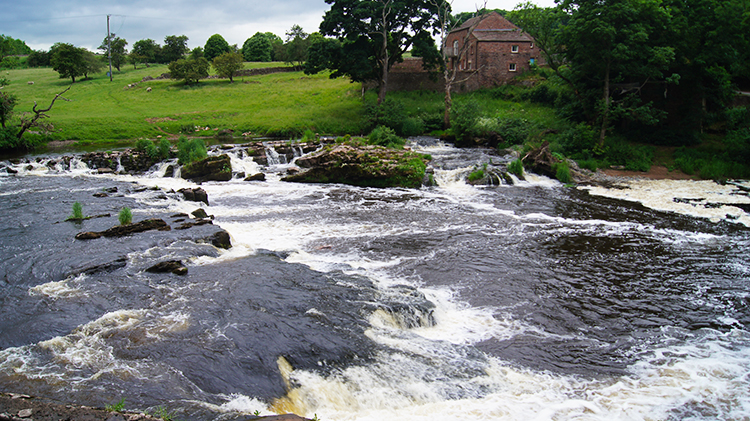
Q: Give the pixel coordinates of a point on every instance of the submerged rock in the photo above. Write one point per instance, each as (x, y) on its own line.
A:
(368, 166)
(171, 266)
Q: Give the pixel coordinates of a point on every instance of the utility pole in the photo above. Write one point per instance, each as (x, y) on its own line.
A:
(109, 49)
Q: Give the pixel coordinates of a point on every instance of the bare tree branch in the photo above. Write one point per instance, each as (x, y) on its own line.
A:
(27, 123)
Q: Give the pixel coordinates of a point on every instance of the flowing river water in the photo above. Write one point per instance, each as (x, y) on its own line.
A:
(512, 302)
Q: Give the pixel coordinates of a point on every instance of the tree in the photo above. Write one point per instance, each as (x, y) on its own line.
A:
(614, 41)
(175, 47)
(215, 46)
(116, 47)
(144, 51)
(68, 60)
(38, 58)
(228, 63)
(7, 102)
(297, 44)
(260, 47)
(91, 64)
(29, 120)
(191, 69)
(383, 30)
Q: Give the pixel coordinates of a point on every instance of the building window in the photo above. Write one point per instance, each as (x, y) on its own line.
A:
(512, 67)
(513, 48)
(455, 48)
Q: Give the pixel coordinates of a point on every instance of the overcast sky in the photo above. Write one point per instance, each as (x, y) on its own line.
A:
(83, 23)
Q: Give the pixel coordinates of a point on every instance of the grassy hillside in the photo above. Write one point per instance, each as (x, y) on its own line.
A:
(101, 111)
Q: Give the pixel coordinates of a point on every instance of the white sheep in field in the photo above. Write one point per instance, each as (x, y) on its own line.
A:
(148, 89)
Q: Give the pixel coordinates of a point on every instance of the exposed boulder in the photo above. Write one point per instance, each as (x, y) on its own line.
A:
(213, 168)
(221, 240)
(123, 230)
(194, 195)
(256, 177)
(368, 165)
(542, 161)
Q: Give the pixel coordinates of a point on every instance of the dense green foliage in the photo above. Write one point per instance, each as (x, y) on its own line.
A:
(372, 34)
(227, 64)
(260, 47)
(116, 46)
(125, 216)
(191, 69)
(190, 150)
(215, 46)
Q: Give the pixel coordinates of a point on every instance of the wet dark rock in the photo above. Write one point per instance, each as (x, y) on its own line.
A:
(201, 214)
(194, 195)
(10, 170)
(368, 166)
(256, 177)
(169, 172)
(123, 230)
(100, 194)
(221, 240)
(213, 168)
(197, 223)
(171, 266)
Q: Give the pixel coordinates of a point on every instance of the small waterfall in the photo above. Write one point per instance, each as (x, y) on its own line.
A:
(78, 166)
(120, 168)
(274, 158)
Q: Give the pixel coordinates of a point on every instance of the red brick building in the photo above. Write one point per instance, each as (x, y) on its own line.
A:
(492, 48)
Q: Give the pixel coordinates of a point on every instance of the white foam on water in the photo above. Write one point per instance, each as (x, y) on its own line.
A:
(706, 378)
(60, 289)
(686, 197)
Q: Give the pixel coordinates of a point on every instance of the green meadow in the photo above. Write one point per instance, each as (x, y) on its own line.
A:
(122, 111)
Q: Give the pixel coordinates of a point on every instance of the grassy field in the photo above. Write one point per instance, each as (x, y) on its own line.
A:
(102, 112)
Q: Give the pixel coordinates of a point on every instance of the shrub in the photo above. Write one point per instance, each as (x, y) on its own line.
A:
(478, 173)
(125, 217)
(309, 136)
(385, 136)
(579, 141)
(412, 126)
(516, 167)
(390, 113)
(633, 157)
(562, 172)
(142, 144)
(164, 149)
(190, 150)
(464, 116)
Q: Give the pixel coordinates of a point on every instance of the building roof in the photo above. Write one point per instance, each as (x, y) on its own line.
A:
(501, 35)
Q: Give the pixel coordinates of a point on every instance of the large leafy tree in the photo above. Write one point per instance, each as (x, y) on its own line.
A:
(191, 69)
(144, 51)
(227, 64)
(175, 47)
(296, 46)
(712, 47)
(117, 46)
(260, 47)
(610, 42)
(68, 60)
(378, 31)
(215, 46)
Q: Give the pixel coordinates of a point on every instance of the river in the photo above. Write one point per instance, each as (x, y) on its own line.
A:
(513, 302)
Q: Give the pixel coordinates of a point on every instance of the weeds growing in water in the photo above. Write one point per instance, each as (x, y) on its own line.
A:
(478, 173)
(118, 407)
(163, 413)
(77, 213)
(125, 216)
